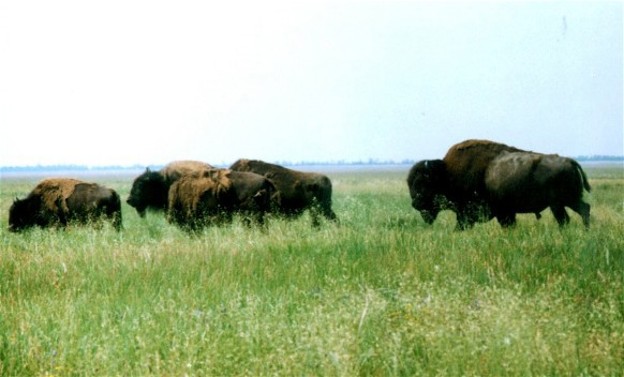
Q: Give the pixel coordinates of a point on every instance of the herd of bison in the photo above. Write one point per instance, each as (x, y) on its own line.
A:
(477, 179)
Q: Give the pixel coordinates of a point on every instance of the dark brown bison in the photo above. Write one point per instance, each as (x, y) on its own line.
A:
(59, 201)
(150, 189)
(521, 182)
(213, 197)
(456, 182)
(298, 190)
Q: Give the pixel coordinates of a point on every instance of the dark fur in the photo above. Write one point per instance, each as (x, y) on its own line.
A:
(62, 201)
(455, 182)
(298, 190)
(195, 201)
(531, 182)
(150, 189)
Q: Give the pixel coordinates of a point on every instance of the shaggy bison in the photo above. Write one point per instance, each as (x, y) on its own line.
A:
(216, 195)
(59, 201)
(298, 190)
(455, 182)
(150, 189)
(531, 182)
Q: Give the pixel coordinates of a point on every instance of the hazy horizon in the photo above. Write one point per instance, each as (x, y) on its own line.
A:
(142, 83)
(608, 159)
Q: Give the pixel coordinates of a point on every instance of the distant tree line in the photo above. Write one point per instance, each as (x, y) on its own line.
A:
(370, 161)
(64, 168)
(599, 158)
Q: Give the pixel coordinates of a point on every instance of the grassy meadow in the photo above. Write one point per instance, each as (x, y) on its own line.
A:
(379, 294)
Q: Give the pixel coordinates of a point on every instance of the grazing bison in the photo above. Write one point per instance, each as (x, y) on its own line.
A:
(522, 182)
(456, 182)
(217, 194)
(149, 190)
(59, 201)
(298, 190)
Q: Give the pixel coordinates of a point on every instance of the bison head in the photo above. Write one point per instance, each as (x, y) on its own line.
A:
(426, 181)
(23, 214)
(149, 190)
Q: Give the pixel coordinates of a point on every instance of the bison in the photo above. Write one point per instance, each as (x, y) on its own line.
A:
(298, 190)
(150, 189)
(59, 201)
(214, 196)
(456, 182)
(522, 182)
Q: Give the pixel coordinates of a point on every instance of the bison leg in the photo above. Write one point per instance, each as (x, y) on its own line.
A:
(62, 215)
(113, 212)
(259, 219)
(116, 216)
(314, 213)
(506, 220)
(560, 215)
(328, 213)
(471, 213)
(582, 209)
(468, 216)
(465, 221)
(250, 218)
(462, 221)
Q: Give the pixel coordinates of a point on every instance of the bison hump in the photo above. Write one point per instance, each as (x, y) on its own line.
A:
(55, 191)
(178, 169)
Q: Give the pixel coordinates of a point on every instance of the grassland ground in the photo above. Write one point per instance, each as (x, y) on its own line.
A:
(379, 293)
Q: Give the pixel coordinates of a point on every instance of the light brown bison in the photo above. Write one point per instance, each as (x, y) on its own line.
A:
(456, 182)
(150, 189)
(178, 169)
(521, 182)
(214, 196)
(59, 201)
(298, 190)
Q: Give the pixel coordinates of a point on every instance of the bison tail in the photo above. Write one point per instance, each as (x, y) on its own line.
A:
(583, 176)
(117, 217)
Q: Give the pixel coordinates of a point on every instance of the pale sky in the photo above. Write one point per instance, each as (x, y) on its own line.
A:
(146, 82)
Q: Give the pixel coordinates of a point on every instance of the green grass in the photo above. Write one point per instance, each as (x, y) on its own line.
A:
(379, 294)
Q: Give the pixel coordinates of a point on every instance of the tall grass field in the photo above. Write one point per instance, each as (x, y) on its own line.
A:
(378, 294)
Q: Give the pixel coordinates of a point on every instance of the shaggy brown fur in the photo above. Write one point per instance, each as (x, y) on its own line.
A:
(194, 201)
(58, 201)
(53, 191)
(215, 195)
(177, 169)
